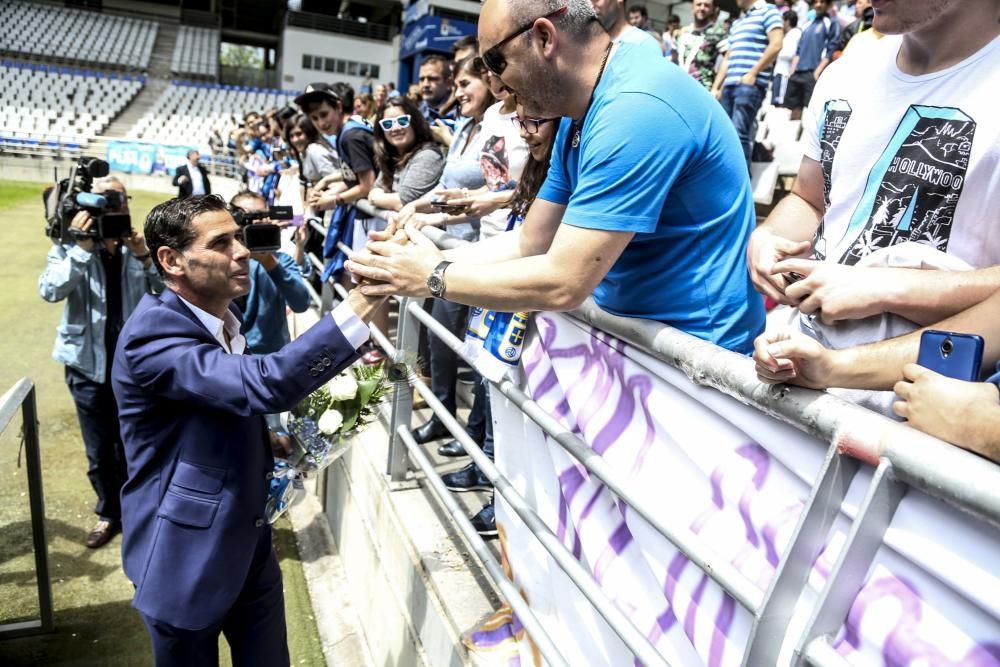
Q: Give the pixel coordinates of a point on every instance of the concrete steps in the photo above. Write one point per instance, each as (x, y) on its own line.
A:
(157, 80)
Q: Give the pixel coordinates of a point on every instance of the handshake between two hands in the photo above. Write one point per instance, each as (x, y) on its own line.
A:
(396, 261)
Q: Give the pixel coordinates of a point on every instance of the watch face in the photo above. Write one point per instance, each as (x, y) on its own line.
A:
(435, 284)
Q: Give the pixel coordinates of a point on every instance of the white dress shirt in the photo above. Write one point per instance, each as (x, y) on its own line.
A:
(354, 330)
(197, 182)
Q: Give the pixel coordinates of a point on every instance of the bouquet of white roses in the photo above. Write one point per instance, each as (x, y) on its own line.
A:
(321, 427)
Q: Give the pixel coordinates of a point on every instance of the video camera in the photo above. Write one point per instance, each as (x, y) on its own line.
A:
(261, 236)
(71, 195)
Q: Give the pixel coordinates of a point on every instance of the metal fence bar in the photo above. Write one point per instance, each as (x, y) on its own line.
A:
(636, 642)
(22, 396)
(790, 577)
(737, 586)
(573, 569)
(948, 473)
(819, 653)
(517, 603)
(407, 337)
(721, 571)
(855, 559)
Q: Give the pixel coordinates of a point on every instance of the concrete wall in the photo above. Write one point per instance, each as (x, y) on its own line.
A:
(297, 42)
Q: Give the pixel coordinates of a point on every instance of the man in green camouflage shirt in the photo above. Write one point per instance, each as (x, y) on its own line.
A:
(698, 43)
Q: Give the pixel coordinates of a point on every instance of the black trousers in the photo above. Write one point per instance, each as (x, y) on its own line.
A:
(254, 627)
(444, 362)
(98, 414)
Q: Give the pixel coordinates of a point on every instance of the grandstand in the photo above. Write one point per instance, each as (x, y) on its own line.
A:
(187, 112)
(196, 53)
(75, 36)
(58, 109)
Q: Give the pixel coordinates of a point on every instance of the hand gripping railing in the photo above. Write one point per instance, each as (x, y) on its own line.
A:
(22, 395)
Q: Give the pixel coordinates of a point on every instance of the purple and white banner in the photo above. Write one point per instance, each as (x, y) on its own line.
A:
(737, 479)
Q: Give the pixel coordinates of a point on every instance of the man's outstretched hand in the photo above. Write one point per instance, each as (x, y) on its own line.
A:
(390, 267)
(793, 359)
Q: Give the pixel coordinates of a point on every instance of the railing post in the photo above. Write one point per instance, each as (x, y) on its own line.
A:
(407, 337)
(29, 415)
(23, 395)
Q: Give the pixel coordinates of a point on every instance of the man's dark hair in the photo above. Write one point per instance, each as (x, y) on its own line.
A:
(438, 59)
(467, 42)
(792, 17)
(169, 223)
(191, 152)
(346, 95)
(640, 9)
(241, 197)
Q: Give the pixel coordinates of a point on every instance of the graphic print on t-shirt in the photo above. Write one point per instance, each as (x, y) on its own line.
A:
(495, 163)
(913, 188)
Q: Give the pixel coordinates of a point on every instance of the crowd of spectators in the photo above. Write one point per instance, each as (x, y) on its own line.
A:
(848, 259)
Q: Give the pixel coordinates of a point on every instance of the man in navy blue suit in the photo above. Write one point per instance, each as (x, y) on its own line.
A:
(195, 542)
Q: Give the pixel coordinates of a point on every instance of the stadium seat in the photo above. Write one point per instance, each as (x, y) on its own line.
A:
(75, 35)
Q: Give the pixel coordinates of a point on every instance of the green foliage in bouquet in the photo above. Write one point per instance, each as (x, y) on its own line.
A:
(355, 394)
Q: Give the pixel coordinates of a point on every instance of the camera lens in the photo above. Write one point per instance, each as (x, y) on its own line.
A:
(946, 347)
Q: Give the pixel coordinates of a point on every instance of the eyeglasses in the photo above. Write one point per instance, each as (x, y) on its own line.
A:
(402, 122)
(494, 58)
(530, 125)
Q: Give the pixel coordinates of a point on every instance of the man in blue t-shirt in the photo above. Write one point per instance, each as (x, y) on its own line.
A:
(653, 223)
(751, 49)
(276, 284)
(816, 46)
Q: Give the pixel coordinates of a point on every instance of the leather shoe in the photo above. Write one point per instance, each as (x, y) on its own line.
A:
(485, 522)
(451, 449)
(102, 533)
(469, 478)
(432, 429)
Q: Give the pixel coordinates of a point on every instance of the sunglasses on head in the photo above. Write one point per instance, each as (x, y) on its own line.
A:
(494, 58)
(402, 122)
(530, 125)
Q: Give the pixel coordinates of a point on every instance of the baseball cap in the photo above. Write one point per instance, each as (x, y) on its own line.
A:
(317, 92)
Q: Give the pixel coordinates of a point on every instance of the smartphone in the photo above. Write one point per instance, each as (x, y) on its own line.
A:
(448, 207)
(955, 355)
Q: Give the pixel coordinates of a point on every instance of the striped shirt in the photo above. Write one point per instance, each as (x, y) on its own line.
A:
(747, 41)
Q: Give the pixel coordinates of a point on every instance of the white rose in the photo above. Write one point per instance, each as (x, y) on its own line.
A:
(342, 388)
(330, 421)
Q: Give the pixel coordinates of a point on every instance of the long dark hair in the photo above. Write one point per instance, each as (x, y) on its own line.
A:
(531, 181)
(387, 157)
(301, 122)
(473, 65)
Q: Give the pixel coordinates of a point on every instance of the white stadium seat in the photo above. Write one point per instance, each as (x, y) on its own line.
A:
(51, 103)
(75, 35)
(187, 113)
(196, 52)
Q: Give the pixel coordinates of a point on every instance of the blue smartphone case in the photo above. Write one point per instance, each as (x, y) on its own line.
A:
(955, 355)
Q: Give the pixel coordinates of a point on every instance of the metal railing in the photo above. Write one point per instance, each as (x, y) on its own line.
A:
(327, 23)
(22, 396)
(903, 458)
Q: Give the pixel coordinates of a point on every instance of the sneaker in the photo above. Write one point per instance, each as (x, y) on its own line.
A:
(469, 478)
(485, 522)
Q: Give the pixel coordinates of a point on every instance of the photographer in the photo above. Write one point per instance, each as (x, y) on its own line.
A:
(101, 281)
(276, 283)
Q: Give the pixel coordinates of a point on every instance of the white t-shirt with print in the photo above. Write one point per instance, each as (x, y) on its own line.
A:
(501, 159)
(907, 158)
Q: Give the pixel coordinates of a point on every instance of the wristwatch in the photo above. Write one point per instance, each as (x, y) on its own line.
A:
(435, 281)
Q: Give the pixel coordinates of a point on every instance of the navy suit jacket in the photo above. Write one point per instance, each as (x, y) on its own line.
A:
(198, 453)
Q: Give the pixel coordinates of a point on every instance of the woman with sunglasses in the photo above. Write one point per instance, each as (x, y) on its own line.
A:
(408, 159)
(501, 160)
